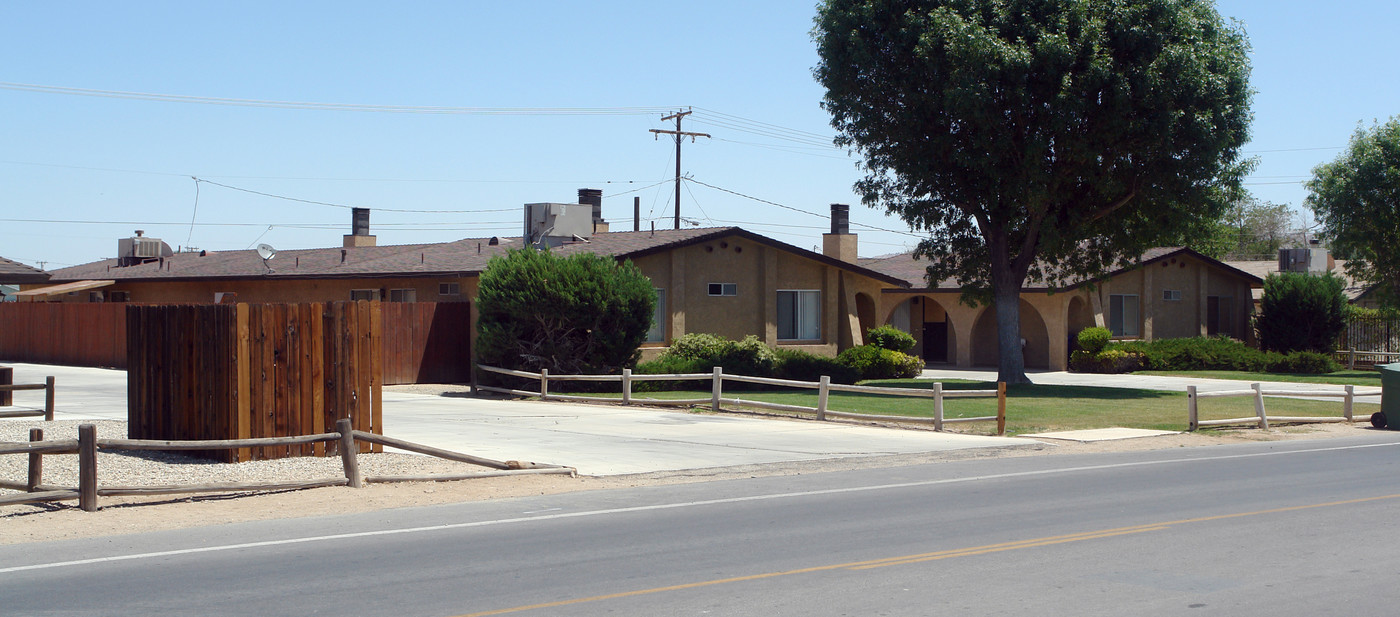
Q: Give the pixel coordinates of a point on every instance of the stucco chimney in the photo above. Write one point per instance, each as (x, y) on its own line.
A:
(359, 229)
(840, 243)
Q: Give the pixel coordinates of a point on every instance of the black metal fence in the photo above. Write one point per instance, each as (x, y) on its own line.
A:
(1369, 340)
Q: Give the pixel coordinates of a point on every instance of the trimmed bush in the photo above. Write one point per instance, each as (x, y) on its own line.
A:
(878, 363)
(745, 357)
(799, 365)
(1301, 312)
(582, 314)
(1302, 362)
(890, 337)
(1093, 340)
(1195, 354)
(1107, 361)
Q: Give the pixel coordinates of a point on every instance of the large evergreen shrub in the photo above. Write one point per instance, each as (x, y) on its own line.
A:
(1301, 312)
(582, 314)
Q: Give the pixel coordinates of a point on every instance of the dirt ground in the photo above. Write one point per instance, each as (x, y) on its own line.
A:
(36, 523)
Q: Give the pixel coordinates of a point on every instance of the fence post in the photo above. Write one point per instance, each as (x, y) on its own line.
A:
(36, 462)
(716, 388)
(48, 398)
(1192, 414)
(823, 392)
(937, 405)
(87, 467)
(1351, 359)
(1259, 406)
(348, 452)
(1346, 403)
(1001, 408)
(627, 386)
(544, 384)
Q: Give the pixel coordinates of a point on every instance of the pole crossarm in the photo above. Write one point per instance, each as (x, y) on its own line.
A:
(679, 135)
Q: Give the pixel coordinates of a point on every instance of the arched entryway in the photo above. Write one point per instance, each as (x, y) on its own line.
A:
(926, 318)
(865, 312)
(1037, 340)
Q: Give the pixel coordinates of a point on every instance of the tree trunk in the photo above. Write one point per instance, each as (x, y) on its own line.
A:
(1011, 362)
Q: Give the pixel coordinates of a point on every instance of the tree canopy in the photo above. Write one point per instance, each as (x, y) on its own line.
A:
(1356, 198)
(1037, 139)
(582, 314)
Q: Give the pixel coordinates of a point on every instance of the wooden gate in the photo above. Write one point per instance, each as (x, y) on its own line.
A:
(253, 370)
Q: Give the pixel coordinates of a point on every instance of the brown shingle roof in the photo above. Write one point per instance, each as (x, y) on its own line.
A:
(462, 257)
(905, 267)
(15, 272)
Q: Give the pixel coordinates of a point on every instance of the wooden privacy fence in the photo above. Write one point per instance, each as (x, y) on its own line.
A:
(344, 439)
(1261, 417)
(5, 401)
(243, 371)
(69, 333)
(823, 387)
(427, 342)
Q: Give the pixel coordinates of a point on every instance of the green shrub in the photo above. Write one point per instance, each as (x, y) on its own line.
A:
(890, 337)
(1301, 312)
(799, 365)
(1302, 362)
(1195, 354)
(878, 363)
(1107, 361)
(582, 314)
(745, 357)
(1093, 340)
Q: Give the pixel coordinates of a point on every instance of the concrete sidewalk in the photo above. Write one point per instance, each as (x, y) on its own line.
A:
(595, 439)
(1144, 382)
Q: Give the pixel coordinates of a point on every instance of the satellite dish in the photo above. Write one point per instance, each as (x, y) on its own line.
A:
(266, 251)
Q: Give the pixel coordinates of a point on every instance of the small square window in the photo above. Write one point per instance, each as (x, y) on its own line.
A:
(363, 294)
(724, 289)
(1171, 295)
(403, 295)
(448, 289)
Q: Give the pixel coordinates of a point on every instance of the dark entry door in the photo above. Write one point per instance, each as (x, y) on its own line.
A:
(935, 341)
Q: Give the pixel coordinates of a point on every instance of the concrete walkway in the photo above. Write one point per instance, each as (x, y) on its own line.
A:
(595, 439)
(1144, 382)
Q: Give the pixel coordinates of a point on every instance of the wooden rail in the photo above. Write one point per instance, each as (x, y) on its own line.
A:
(1261, 417)
(87, 445)
(1351, 355)
(48, 389)
(717, 378)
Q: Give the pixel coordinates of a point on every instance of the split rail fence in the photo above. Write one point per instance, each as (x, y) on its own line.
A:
(1261, 417)
(1353, 357)
(87, 445)
(823, 387)
(47, 411)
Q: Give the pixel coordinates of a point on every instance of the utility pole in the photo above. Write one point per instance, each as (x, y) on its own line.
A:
(679, 134)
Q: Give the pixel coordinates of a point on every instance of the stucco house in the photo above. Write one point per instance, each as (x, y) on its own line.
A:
(721, 280)
(1169, 293)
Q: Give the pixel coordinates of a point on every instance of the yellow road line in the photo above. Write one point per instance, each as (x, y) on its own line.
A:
(923, 557)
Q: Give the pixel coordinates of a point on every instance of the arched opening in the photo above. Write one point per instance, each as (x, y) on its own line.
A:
(927, 320)
(865, 313)
(1081, 316)
(1036, 348)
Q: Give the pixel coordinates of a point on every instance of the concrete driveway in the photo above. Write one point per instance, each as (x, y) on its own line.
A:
(595, 439)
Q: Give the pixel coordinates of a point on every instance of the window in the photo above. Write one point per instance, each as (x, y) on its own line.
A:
(363, 294)
(95, 296)
(403, 295)
(449, 289)
(1171, 295)
(119, 296)
(1123, 315)
(724, 289)
(799, 315)
(1220, 315)
(657, 333)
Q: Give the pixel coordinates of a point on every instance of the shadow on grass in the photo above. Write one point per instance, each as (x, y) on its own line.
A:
(1033, 390)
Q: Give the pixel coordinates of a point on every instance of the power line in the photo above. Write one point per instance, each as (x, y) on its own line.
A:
(679, 135)
(335, 205)
(321, 106)
(807, 212)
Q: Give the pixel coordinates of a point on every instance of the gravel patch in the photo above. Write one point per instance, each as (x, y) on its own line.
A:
(135, 468)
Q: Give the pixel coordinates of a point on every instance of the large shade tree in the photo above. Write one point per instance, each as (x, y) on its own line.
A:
(1035, 140)
(1357, 199)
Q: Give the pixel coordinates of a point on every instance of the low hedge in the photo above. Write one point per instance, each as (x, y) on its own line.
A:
(1198, 354)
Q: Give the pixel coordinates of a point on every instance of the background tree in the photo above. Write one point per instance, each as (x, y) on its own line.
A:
(1036, 139)
(1301, 312)
(584, 314)
(1356, 198)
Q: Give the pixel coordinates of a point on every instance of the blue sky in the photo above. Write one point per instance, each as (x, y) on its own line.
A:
(79, 172)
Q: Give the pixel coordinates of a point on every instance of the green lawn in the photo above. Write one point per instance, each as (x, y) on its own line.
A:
(1368, 378)
(1037, 408)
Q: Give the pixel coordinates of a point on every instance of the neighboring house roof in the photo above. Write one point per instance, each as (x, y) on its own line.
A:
(462, 257)
(912, 271)
(14, 272)
(1353, 288)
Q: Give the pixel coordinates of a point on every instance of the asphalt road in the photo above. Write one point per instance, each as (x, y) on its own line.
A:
(1281, 528)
